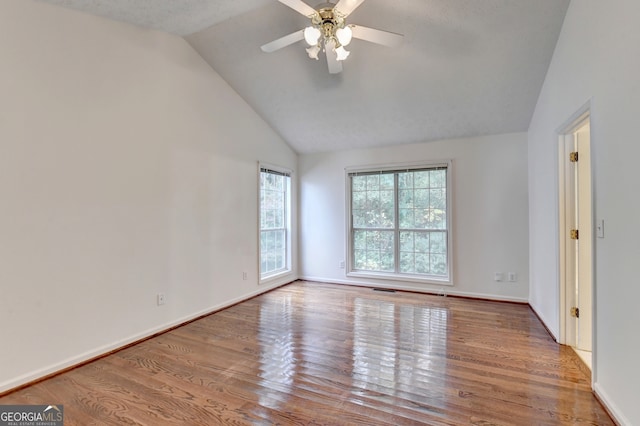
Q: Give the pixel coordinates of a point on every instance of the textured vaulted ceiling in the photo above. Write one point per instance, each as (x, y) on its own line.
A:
(465, 68)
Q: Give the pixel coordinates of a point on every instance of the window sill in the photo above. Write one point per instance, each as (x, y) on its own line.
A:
(268, 279)
(396, 277)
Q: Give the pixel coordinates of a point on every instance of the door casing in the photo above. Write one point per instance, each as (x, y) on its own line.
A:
(581, 211)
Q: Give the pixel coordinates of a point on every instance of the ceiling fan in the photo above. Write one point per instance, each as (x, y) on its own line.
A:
(329, 32)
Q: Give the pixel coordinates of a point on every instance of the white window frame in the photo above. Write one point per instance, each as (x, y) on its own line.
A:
(271, 276)
(425, 279)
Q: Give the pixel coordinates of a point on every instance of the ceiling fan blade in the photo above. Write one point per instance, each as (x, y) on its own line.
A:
(300, 7)
(372, 35)
(283, 42)
(334, 65)
(345, 7)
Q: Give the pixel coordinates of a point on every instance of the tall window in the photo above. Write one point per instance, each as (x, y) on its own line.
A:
(399, 223)
(275, 202)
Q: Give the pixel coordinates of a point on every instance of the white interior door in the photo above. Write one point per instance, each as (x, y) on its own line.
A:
(585, 226)
(578, 279)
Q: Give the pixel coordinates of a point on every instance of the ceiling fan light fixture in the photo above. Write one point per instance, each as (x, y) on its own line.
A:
(344, 35)
(312, 35)
(313, 51)
(342, 53)
(329, 33)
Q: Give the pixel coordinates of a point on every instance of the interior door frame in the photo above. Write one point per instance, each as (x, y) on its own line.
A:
(565, 136)
(566, 209)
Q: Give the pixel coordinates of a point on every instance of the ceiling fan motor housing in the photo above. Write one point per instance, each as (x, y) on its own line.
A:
(328, 20)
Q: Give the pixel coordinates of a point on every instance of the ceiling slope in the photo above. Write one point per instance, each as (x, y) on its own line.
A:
(465, 68)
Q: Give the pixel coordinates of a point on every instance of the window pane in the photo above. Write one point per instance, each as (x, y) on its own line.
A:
(437, 219)
(387, 217)
(359, 219)
(406, 219)
(406, 241)
(359, 183)
(279, 218)
(386, 198)
(372, 201)
(273, 222)
(419, 231)
(272, 251)
(373, 260)
(375, 250)
(360, 261)
(360, 240)
(438, 243)
(421, 198)
(422, 263)
(422, 242)
(359, 200)
(438, 179)
(270, 219)
(421, 179)
(422, 207)
(386, 181)
(437, 200)
(405, 199)
(386, 209)
(407, 263)
(387, 261)
(438, 264)
(421, 218)
(405, 180)
(373, 183)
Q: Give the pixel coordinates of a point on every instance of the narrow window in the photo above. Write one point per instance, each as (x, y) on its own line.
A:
(399, 223)
(275, 207)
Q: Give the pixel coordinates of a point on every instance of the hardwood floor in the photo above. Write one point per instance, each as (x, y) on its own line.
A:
(312, 354)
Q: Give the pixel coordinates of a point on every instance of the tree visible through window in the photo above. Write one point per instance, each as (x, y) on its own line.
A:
(274, 222)
(399, 222)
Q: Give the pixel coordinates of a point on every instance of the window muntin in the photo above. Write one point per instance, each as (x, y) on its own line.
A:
(399, 222)
(274, 222)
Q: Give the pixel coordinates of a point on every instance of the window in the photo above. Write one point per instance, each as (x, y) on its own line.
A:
(399, 223)
(275, 202)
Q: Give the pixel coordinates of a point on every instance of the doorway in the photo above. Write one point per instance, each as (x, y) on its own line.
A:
(576, 238)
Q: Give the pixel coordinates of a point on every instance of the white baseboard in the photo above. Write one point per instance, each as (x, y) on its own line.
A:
(102, 350)
(613, 410)
(393, 286)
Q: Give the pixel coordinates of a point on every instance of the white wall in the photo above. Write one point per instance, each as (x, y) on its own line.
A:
(489, 212)
(597, 59)
(127, 168)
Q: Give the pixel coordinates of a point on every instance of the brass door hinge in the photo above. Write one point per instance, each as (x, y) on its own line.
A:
(575, 312)
(573, 157)
(574, 234)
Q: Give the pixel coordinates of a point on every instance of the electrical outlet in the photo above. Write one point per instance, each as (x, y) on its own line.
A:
(499, 276)
(161, 299)
(512, 277)
(341, 264)
(244, 276)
